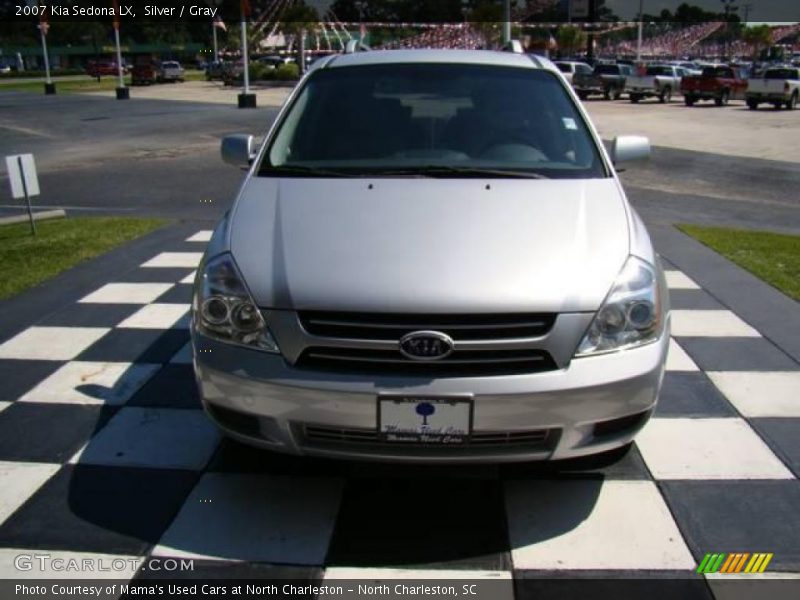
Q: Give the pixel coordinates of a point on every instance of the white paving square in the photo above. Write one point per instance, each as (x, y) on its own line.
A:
(157, 316)
(175, 259)
(189, 278)
(84, 382)
(18, 482)
(4, 405)
(153, 437)
(678, 360)
(126, 293)
(592, 524)
(265, 518)
(709, 323)
(201, 236)
(182, 356)
(761, 394)
(707, 449)
(677, 280)
(51, 343)
(60, 564)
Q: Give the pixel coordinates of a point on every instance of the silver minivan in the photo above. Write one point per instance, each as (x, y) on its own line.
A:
(431, 258)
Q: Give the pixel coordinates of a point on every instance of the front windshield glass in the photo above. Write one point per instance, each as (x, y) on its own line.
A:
(433, 119)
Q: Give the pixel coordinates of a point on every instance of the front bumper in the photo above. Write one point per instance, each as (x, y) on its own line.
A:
(261, 400)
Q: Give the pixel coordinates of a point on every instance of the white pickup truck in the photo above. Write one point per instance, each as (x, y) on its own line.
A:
(658, 80)
(779, 86)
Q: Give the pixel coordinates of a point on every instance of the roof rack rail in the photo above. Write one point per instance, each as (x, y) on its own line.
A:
(514, 46)
(354, 46)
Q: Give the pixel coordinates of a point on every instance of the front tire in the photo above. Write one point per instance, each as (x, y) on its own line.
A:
(723, 98)
(752, 104)
(635, 99)
(791, 103)
(666, 96)
(582, 95)
(689, 100)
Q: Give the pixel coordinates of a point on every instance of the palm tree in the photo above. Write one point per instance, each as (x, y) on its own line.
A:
(759, 37)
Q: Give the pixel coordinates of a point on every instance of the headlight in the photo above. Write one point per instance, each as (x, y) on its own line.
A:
(631, 314)
(223, 309)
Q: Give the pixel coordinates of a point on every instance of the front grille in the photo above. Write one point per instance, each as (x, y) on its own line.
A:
(389, 326)
(460, 363)
(538, 439)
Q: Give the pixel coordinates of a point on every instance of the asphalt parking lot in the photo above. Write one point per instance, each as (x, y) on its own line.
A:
(104, 450)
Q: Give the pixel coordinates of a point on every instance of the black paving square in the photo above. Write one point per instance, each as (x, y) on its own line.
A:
(691, 394)
(50, 433)
(736, 354)
(783, 436)
(447, 522)
(693, 300)
(739, 516)
(173, 386)
(177, 294)
(137, 345)
(91, 315)
(19, 376)
(99, 509)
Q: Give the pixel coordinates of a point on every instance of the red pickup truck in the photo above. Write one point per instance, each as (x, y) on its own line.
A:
(718, 83)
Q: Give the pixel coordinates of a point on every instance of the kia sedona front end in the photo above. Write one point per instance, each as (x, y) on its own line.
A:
(431, 259)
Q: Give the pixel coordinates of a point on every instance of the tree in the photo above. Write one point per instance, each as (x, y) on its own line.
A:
(758, 36)
(569, 39)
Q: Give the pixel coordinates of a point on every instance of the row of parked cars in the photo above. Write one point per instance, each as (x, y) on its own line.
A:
(778, 85)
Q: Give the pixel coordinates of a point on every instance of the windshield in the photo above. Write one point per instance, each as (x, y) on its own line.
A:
(445, 120)
(564, 67)
(781, 74)
(607, 69)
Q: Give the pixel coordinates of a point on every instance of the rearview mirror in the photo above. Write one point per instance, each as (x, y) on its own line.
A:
(629, 147)
(237, 150)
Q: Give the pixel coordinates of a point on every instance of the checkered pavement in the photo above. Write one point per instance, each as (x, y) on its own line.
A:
(104, 451)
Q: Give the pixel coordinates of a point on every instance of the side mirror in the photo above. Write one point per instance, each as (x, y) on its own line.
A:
(629, 147)
(237, 150)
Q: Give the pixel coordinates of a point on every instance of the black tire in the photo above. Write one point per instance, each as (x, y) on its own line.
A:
(791, 103)
(752, 104)
(581, 94)
(607, 94)
(666, 96)
(777, 105)
(616, 93)
(689, 100)
(635, 99)
(723, 98)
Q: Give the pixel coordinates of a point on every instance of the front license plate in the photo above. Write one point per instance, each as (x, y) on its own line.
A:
(426, 420)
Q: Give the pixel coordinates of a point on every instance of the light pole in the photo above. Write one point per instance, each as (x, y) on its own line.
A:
(464, 12)
(506, 21)
(639, 37)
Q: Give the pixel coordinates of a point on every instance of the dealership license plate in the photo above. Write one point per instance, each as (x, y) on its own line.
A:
(426, 420)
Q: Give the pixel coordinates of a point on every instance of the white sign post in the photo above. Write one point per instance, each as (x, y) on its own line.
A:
(24, 182)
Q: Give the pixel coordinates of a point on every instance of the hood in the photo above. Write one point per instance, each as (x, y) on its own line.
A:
(430, 245)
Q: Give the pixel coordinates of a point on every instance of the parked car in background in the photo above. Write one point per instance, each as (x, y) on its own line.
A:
(144, 73)
(659, 81)
(569, 67)
(215, 70)
(337, 312)
(170, 70)
(102, 68)
(779, 86)
(689, 68)
(606, 79)
(719, 83)
(275, 61)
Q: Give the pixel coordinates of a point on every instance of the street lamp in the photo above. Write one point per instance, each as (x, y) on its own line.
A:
(639, 37)
(464, 13)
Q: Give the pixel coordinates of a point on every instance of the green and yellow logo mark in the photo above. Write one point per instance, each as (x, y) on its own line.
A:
(736, 562)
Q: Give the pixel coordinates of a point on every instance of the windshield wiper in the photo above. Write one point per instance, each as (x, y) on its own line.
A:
(303, 171)
(445, 170)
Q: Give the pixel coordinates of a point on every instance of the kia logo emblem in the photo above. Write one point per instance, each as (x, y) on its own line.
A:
(426, 345)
